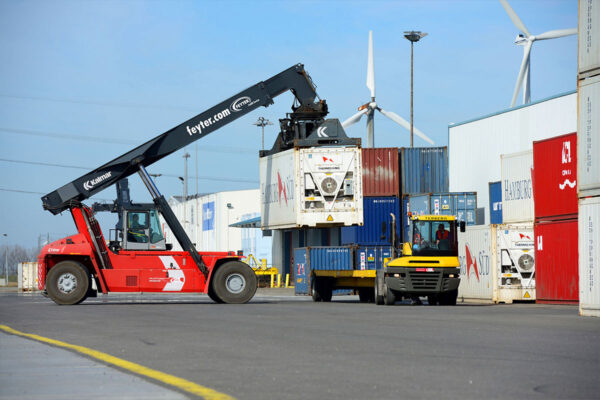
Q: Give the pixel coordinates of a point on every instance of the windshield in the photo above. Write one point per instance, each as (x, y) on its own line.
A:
(434, 238)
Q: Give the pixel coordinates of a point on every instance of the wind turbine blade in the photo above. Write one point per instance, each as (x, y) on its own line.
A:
(526, 51)
(515, 18)
(355, 118)
(556, 34)
(371, 67)
(402, 122)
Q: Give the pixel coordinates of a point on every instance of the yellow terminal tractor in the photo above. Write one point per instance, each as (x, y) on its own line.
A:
(427, 266)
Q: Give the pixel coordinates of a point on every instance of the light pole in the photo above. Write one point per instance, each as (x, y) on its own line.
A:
(413, 36)
(5, 262)
(262, 122)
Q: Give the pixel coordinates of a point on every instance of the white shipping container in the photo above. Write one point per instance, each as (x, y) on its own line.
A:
(517, 188)
(497, 263)
(589, 36)
(589, 256)
(312, 187)
(588, 136)
(475, 146)
(27, 276)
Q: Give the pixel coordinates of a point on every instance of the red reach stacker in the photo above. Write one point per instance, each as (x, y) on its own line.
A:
(137, 258)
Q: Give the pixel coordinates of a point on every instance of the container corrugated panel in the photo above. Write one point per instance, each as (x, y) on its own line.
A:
(556, 259)
(588, 132)
(555, 176)
(380, 172)
(423, 170)
(331, 258)
(371, 257)
(495, 202)
(302, 273)
(589, 256)
(476, 256)
(377, 211)
(589, 36)
(517, 190)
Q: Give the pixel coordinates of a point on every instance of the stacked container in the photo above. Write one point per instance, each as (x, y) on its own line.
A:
(555, 195)
(588, 155)
(461, 204)
(495, 202)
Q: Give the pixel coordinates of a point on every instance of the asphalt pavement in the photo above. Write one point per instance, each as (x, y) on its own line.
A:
(285, 347)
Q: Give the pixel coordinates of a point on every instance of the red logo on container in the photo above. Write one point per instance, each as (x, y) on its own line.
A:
(281, 188)
(471, 262)
(325, 159)
(521, 236)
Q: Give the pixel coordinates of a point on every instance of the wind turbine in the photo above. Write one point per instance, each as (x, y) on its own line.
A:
(369, 108)
(526, 40)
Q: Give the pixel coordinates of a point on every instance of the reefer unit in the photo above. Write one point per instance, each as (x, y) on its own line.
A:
(497, 263)
(588, 132)
(555, 177)
(475, 146)
(423, 170)
(589, 256)
(589, 37)
(556, 258)
(376, 229)
(380, 172)
(310, 187)
(517, 189)
(496, 202)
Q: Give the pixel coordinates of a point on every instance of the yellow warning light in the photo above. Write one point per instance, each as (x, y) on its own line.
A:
(330, 218)
(526, 295)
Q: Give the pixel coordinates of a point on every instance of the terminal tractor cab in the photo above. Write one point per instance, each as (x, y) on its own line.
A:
(428, 265)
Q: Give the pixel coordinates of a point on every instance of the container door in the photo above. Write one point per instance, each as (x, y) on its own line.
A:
(302, 271)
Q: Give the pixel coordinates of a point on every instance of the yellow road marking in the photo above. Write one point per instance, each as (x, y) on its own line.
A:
(179, 383)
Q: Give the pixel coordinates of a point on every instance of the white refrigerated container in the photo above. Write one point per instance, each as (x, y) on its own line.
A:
(517, 188)
(311, 187)
(497, 263)
(589, 256)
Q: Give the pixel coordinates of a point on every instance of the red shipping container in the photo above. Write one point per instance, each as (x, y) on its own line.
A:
(381, 172)
(555, 177)
(556, 261)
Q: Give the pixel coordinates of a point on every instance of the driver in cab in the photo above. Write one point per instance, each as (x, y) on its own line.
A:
(136, 232)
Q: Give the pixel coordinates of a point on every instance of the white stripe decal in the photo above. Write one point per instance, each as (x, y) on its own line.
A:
(176, 275)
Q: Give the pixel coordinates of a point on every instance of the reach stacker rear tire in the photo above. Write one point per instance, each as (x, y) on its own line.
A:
(68, 283)
(234, 283)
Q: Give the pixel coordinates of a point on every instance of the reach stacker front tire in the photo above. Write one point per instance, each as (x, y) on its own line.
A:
(234, 283)
(68, 283)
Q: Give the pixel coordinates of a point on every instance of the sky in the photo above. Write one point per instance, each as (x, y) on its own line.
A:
(82, 82)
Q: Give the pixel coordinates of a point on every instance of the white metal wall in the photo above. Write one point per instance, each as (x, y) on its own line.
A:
(476, 253)
(517, 188)
(589, 35)
(588, 143)
(207, 219)
(475, 147)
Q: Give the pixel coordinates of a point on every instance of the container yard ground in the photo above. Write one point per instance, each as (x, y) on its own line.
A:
(285, 347)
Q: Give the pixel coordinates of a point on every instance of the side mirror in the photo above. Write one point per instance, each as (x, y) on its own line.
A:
(462, 226)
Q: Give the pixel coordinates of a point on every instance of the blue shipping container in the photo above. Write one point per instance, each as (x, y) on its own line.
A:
(449, 203)
(302, 284)
(332, 258)
(495, 202)
(423, 170)
(372, 257)
(376, 211)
